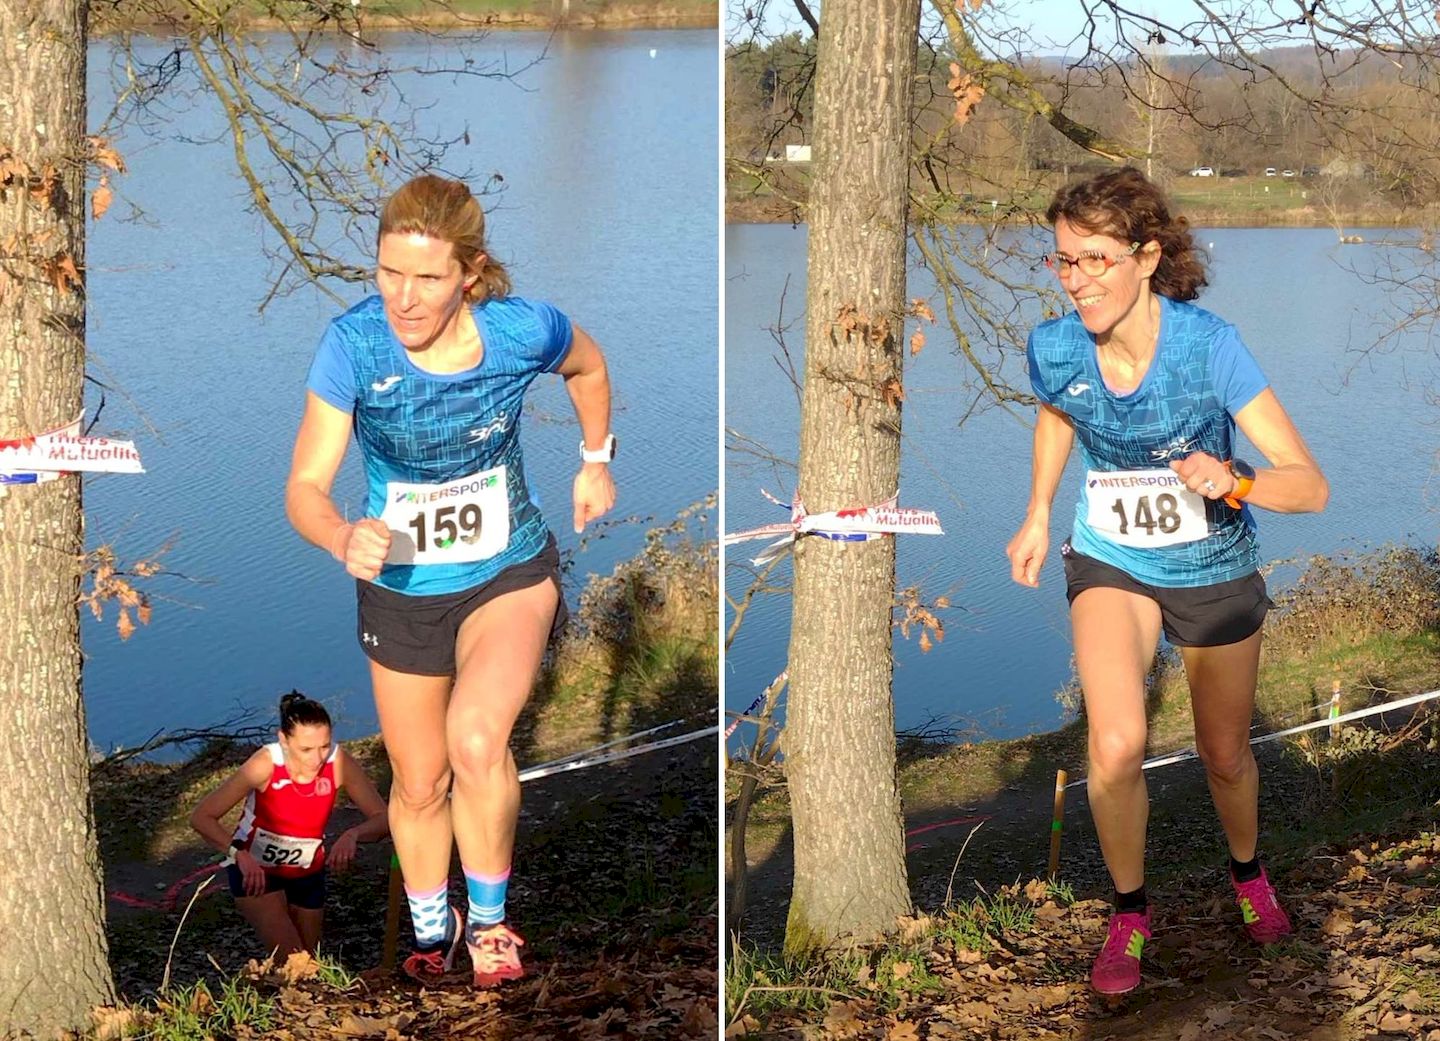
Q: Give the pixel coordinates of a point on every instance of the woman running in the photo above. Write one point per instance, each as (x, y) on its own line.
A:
(457, 574)
(278, 858)
(1163, 537)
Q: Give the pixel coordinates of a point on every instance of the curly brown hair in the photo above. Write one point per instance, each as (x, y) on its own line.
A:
(1125, 204)
(441, 208)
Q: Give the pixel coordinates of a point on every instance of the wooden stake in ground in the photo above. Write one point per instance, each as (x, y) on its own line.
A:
(392, 915)
(1055, 825)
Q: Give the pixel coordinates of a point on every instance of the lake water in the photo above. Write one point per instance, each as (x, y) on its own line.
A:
(607, 149)
(1007, 649)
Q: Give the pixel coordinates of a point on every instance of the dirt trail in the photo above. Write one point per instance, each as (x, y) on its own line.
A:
(614, 890)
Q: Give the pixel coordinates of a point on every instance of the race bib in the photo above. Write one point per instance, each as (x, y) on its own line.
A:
(1147, 508)
(283, 850)
(455, 523)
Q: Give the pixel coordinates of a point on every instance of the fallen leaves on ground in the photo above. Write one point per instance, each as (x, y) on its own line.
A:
(1364, 964)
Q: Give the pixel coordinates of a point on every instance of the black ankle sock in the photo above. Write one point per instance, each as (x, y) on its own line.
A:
(1131, 902)
(1246, 872)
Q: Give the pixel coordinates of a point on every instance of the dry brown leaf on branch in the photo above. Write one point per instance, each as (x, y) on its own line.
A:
(13, 170)
(101, 198)
(42, 188)
(124, 626)
(967, 92)
(917, 342)
(892, 392)
(62, 272)
(924, 642)
(104, 154)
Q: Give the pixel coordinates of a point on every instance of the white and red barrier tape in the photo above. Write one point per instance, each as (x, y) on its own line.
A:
(853, 525)
(44, 457)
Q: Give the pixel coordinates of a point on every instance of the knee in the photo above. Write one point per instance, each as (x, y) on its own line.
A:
(478, 750)
(1228, 765)
(420, 791)
(1117, 752)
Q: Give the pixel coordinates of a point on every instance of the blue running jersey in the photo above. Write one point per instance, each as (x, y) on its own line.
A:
(1201, 375)
(423, 427)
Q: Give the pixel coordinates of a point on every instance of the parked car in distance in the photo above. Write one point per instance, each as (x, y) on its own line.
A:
(1203, 171)
(1270, 171)
(1310, 171)
(1287, 173)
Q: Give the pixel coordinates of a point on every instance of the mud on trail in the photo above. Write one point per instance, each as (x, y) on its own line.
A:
(614, 891)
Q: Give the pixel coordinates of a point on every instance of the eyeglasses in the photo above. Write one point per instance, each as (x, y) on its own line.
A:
(1092, 263)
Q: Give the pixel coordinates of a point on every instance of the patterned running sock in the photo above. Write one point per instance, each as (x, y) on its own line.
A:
(487, 896)
(1248, 871)
(430, 914)
(1131, 903)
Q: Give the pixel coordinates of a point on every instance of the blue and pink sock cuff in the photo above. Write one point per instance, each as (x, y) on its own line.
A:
(487, 896)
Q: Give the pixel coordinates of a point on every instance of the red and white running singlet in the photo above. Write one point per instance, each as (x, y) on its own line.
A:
(283, 826)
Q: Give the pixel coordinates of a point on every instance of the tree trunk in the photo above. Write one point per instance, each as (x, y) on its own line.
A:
(51, 899)
(840, 732)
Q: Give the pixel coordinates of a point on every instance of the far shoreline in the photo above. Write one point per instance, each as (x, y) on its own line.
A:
(615, 18)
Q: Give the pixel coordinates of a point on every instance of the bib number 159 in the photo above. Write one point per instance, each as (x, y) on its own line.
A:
(448, 524)
(456, 522)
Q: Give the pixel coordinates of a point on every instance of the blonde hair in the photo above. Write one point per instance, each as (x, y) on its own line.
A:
(440, 208)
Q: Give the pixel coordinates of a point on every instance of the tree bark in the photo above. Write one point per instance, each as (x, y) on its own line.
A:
(51, 899)
(840, 731)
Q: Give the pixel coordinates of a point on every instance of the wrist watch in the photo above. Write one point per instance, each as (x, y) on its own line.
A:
(603, 454)
(1244, 475)
(233, 850)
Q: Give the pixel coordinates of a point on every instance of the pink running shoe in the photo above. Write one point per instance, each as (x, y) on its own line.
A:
(1265, 919)
(1117, 968)
(495, 954)
(428, 964)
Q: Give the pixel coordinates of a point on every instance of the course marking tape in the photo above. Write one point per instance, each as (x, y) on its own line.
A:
(759, 700)
(31, 460)
(535, 772)
(852, 525)
(579, 761)
(1360, 713)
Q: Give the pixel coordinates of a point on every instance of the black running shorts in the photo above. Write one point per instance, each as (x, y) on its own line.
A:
(1194, 616)
(307, 891)
(416, 634)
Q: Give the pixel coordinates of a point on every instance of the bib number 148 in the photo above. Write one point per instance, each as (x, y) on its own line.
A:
(1165, 517)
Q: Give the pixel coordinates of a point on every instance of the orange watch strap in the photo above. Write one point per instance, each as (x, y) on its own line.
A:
(1242, 488)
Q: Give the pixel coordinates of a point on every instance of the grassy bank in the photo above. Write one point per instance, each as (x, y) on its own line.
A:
(615, 865)
(1349, 828)
(371, 15)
